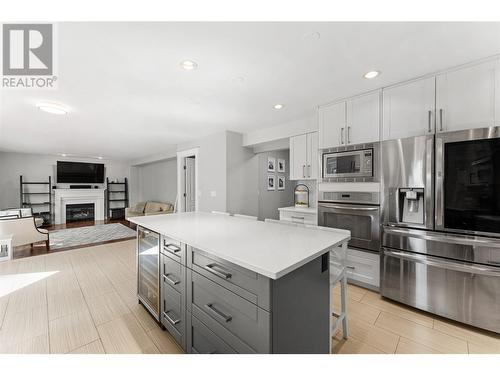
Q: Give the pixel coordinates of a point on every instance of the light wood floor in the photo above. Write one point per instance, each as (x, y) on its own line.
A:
(84, 301)
(378, 325)
(77, 301)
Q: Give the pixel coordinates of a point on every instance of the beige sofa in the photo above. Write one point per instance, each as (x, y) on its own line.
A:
(149, 208)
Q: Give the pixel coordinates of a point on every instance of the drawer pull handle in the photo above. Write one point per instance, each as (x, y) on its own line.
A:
(298, 217)
(172, 248)
(170, 279)
(222, 274)
(351, 267)
(220, 315)
(171, 320)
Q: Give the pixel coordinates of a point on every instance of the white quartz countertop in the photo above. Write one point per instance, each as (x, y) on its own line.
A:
(270, 249)
(307, 210)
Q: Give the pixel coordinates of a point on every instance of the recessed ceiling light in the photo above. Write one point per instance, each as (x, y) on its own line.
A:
(55, 108)
(278, 106)
(371, 74)
(63, 155)
(312, 36)
(189, 65)
(99, 157)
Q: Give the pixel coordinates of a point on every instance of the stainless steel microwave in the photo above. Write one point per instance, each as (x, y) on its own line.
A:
(346, 164)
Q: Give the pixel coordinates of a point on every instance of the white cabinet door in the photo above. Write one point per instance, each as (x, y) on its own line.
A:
(363, 114)
(465, 98)
(332, 122)
(408, 110)
(363, 267)
(312, 156)
(298, 157)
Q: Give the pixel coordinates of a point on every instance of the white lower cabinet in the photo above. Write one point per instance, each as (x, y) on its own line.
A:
(363, 267)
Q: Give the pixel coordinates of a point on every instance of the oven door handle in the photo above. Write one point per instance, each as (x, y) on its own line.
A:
(445, 264)
(353, 208)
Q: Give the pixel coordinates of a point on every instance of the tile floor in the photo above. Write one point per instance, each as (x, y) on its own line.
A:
(77, 301)
(84, 301)
(378, 325)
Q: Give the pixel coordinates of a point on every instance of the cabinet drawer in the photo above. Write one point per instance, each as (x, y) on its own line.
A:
(204, 341)
(173, 249)
(173, 314)
(243, 325)
(363, 267)
(173, 274)
(299, 217)
(245, 283)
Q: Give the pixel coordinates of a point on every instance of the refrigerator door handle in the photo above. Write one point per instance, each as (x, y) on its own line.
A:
(439, 183)
(445, 264)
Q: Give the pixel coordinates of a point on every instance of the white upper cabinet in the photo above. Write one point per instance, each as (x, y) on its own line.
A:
(298, 157)
(465, 98)
(332, 123)
(363, 115)
(304, 157)
(408, 109)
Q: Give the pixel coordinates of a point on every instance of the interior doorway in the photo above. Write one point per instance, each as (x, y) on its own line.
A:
(189, 186)
(187, 177)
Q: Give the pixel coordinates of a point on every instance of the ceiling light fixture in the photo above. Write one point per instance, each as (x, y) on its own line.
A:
(189, 65)
(371, 74)
(100, 157)
(55, 108)
(63, 155)
(278, 106)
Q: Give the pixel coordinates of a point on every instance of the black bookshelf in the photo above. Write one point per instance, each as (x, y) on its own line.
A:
(116, 196)
(42, 206)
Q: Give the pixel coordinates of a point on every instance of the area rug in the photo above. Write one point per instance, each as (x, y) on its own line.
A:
(82, 236)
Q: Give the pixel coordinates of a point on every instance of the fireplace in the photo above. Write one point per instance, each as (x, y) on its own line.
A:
(80, 212)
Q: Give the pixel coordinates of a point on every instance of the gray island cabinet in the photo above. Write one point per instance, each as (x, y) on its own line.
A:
(230, 285)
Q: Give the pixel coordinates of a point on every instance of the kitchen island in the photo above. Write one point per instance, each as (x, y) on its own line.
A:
(231, 285)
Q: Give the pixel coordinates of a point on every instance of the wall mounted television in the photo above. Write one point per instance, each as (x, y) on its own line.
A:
(74, 172)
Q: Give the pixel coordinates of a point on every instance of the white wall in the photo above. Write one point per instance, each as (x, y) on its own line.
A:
(156, 181)
(36, 167)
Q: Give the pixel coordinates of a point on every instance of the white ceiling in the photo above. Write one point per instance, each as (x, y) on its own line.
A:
(129, 98)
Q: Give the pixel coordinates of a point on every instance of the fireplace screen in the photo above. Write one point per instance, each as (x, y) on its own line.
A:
(79, 212)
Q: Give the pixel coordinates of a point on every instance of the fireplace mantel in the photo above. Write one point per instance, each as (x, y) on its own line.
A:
(62, 197)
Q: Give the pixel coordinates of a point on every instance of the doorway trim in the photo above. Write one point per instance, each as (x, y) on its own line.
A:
(181, 177)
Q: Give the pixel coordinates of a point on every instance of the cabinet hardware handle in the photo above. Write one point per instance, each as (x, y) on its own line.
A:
(172, 321)
(298, 217)
(219, 314)
(303, 171)
(348, 134)
(172, 248)
(309, 170)
(170, 280)
(222, 274)
(351, 267)
(441, 119)
(430, 121)
(342, 135)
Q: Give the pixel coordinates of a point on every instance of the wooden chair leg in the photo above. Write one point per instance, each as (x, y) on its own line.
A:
(47, 246)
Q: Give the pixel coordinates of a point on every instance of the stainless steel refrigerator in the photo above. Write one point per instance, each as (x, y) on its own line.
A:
(441, 224)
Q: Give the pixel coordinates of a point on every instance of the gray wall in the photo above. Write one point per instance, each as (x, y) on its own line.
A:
(156, 181)
(212, 171)
(270, 201)
(36, 167)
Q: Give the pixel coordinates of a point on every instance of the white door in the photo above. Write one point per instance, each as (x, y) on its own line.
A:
(190, 191)
(465, 98)
(408, 109)
(332, 122)
(298, 157)
(363, 114)
(312, 155)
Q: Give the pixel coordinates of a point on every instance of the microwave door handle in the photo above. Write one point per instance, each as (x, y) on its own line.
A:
(445, 264)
